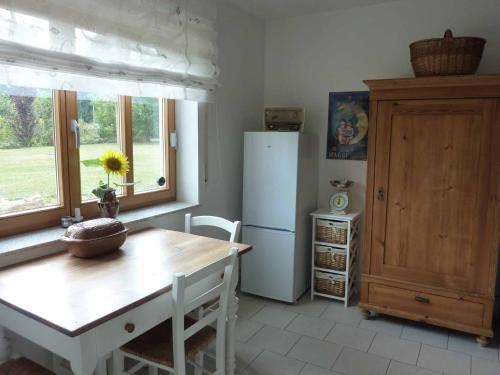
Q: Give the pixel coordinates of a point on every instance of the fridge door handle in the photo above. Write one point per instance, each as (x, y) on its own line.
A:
(268, 228)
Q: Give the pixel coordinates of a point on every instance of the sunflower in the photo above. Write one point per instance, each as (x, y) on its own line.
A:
(114, 162)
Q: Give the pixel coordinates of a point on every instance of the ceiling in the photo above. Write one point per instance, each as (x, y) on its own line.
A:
(270, 9)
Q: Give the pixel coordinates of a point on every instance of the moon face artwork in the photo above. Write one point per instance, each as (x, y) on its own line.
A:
(348, 125)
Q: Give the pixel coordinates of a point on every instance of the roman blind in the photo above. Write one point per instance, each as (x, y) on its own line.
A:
(163, 48)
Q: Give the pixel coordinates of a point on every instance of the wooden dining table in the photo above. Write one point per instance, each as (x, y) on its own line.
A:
(83, 309)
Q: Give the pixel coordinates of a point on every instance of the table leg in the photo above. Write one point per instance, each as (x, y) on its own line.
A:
(232, 316)
(4, 346)
(77, 370)
(83, 370)
(85, 359)
(102, 367)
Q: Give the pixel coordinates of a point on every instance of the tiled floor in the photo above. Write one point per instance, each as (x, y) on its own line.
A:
(323, 338)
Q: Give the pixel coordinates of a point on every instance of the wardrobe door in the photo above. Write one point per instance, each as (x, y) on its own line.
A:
(431, 189)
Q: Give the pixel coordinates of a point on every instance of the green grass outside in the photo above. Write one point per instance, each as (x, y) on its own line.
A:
(25, 172)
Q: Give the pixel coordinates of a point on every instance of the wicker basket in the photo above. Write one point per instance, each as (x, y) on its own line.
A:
(446, 56)
(331, 231)
(95, 237)
(328, 283)
(328, 257)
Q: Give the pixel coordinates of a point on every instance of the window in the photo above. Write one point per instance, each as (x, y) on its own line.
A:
(98, 119)
(148, 143)
(41, 176)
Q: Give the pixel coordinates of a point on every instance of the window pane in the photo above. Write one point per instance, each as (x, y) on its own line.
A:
(147, 137)
(28, 171)
(98, 120)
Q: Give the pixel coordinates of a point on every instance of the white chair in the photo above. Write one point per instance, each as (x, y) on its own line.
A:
(213, 221)
(234, 234)
(168, 345)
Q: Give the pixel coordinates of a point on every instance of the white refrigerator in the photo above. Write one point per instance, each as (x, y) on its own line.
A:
(279, 192)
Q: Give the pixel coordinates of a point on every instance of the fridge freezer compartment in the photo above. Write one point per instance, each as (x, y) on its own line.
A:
(268, 270)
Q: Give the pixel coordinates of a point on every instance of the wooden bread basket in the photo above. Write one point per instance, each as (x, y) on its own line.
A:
(95, 237)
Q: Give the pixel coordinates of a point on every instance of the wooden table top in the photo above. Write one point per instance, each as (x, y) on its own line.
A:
(73, 295)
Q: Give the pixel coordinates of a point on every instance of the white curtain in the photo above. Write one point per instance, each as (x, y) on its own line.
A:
(133, 47)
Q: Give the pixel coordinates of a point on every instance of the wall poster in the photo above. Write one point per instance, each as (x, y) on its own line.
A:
(348, 125)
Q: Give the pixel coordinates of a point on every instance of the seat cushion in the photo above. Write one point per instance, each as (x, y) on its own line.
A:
(156, 344)
(23, 366)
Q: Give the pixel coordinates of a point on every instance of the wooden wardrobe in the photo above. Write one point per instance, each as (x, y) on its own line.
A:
(433, 201)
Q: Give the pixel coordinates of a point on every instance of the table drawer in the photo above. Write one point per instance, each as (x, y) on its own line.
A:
(427, 305)
(127, 326)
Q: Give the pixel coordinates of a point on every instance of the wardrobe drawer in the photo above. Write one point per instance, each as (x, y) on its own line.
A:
(427, 306)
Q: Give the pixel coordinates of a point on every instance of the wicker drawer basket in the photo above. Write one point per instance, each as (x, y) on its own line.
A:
(328, 283)
(329, 257)
(331, 231)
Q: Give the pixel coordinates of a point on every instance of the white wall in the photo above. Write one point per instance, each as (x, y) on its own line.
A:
(188, 117)
(240, 102)
(307, 57)
(238, 108)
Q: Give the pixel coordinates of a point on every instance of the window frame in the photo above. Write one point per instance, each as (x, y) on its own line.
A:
(68, 168)
(131, 198)
(23, 221)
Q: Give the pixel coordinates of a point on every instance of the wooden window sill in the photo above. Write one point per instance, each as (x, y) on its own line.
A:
(35, 244)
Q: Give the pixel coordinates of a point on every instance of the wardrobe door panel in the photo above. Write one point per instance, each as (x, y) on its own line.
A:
(429, 192)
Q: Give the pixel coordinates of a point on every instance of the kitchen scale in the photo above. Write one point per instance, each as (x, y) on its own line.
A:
(340, 200)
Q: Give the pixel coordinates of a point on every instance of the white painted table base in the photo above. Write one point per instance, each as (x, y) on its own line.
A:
(4, 346)
(85, 350)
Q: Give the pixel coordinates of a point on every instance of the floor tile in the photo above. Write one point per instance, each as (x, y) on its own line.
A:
(354, 337)
(274, 339)
(245, 354)
(248, 308)
(315, 370)
(310, 326)
(426, 334)
(387, 325)
(265, 348)
(262, 300)
(394, 348)
(276, 304)
(317, 352)
(249, 297)
(245, 329)
(398, 368)
(465, 343)
(338, 313)
(446, 361)
(272, 316)
(354, 362)
(268, 363)
(485, 367)
(307, 307)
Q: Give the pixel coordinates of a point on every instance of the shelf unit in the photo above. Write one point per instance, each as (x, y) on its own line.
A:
(351, 248)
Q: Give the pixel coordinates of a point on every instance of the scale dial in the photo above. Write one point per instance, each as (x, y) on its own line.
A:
(339, 201)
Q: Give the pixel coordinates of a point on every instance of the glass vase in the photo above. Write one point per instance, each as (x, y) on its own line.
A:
(109, 205)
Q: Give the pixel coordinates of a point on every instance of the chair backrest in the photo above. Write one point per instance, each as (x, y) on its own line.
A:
(184, 303)
(214, 221)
